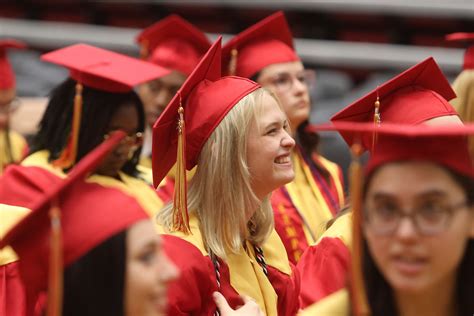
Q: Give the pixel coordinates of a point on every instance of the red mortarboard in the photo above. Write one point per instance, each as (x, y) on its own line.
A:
(99, 69)
(82, 227)
(446, 144)
(414, 96)
(7, 76)
(264, 43)
(102, 69)
(469, 54)
(200, 105)
(173, 43)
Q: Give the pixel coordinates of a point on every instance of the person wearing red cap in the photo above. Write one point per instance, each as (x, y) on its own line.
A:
(463, 85)
(418, 95)
(13, 147)
(83, 244)
(414, 214)
(265, 53)
(177, 45)
(97, 99)
(220, 232)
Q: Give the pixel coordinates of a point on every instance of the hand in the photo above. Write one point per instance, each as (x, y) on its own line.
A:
(250, 307)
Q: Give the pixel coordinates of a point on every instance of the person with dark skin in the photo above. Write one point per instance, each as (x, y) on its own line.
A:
(177, 45)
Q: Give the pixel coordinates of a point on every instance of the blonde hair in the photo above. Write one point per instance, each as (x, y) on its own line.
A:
(464, 103)
(220, 192)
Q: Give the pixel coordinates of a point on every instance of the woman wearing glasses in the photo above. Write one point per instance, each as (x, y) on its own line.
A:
(418, 95)
(13, 147)
(417, 224)
(264, 52)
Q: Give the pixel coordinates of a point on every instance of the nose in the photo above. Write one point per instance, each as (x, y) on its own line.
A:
(406, 229)
(168, 270)
(287, 141)
(299, 87)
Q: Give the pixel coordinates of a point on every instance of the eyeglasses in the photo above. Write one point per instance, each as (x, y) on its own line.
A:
(133, 140)
(428, 219)
(285, 81)
(10, 107)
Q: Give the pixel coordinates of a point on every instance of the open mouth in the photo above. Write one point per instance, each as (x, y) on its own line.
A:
(281, 160)
(409, 265)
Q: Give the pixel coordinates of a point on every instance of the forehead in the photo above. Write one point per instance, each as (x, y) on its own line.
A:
(412, 178)
(269, 110)
(275, 69)
(175, 78)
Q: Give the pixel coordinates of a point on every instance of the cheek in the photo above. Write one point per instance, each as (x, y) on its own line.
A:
(378, 248)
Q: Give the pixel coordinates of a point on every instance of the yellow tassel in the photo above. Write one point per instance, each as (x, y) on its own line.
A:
(233, 62)
(55, 276)
(180, 205)
(358, 295)
(377, 121)
(144, 50)
(69, 154)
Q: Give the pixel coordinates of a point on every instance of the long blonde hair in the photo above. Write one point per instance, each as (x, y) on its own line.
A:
(220, 192)
(464, 103)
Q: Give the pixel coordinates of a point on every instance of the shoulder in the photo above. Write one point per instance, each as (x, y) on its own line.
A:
(341, 228)
(336, 304)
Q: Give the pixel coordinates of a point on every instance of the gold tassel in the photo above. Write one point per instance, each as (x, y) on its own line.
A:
(233, 62)
(144, 49)
(69, 154)
(358, 295)
(377, 121)
(55, 276)
(180, 205)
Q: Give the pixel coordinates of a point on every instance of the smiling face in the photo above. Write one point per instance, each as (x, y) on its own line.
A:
(410, 261)
(288, 82)
(268, 149)
(148, 272)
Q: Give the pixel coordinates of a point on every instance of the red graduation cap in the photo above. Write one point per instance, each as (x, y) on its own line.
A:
(469, 54)
(7, 76)
(189, 119)
(414, 96)
(99, 69)
(62, 226)
(446, 144)
(173, 43)
(264, 43)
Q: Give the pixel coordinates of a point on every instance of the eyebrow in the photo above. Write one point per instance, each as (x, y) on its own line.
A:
(424, 194)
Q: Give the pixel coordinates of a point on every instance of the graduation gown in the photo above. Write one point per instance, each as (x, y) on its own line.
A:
(302, 207)
(18, 146)
(325, 265)
(191, 294)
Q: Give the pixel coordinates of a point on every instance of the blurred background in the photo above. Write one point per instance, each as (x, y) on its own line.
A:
(354, 45)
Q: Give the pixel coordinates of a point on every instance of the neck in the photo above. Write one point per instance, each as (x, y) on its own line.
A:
(437, 301)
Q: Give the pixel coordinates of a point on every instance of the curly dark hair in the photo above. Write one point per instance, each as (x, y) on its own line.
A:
(97, 111)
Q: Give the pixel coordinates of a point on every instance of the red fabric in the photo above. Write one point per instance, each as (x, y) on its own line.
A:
(102, 69)
(467, 38)
(289, 224)
(324, 268)
(174, 43)
(191, 294)
(7, 76)
(265, 43)
(166, 192)
(414, 96)
(12, 292)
